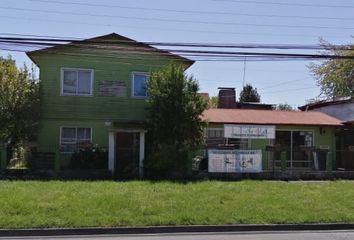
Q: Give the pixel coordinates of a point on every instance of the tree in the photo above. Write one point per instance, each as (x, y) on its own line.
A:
(335, 76)
(174, 121)
(19, 103)
(249, 94)
(285, 107)
(213, 102)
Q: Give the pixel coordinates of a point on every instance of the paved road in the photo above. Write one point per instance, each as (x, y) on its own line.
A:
(308, 235)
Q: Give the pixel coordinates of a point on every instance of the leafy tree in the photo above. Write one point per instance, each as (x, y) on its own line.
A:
(335, 76)
(19, 103)
(285, 107)
(213, 102)
(249, 94)
(174, 121)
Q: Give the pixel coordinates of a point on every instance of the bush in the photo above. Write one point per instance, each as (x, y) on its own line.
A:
(168, 161)
(89, 158)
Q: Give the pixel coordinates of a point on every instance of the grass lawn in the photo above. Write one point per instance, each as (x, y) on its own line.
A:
(37, 204)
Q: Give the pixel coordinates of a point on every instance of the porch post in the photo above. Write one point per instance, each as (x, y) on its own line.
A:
(141, 154)
(111, 151)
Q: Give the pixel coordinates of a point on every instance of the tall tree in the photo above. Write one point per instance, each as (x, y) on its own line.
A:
(249, 94)
(173, 119)
(335, 76)
(19, 103)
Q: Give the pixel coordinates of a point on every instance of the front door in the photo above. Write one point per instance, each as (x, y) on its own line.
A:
(127, 154)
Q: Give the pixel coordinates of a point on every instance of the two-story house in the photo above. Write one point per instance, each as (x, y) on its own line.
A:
(93, 92)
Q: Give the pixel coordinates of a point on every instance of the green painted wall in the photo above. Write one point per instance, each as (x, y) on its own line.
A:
(97, 107)
(50, 131)
(90, 111)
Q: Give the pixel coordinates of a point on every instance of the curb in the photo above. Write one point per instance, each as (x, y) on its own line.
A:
(175, 229)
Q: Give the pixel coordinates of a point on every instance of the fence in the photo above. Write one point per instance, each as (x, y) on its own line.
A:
(345, 159)
(273, 159)
(37, 158)
(270, 158)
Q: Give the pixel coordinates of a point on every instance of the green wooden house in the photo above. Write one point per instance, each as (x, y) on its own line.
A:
(93, 97)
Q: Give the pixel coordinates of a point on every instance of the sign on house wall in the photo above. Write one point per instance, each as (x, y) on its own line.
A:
(234, 160)
(249, 131)
(112, 88)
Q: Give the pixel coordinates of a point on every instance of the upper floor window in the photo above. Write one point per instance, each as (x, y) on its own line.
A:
(76, 81)
(139, 84)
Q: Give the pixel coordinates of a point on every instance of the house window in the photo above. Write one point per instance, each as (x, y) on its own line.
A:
(215, 137)
(71, 139)
(139, 84)
(215, 133)
(76, 82)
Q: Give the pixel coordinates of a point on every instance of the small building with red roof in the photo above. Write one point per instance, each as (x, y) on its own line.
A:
(248, 140)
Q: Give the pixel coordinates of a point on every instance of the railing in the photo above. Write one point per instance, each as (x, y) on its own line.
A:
(280, 159)
(51, 158)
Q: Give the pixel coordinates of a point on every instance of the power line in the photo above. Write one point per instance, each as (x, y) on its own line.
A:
(39, 36)
(38, 40)
(182, 20)
(287, 4)
(282, 83)
(195, 11)
(290, 90)
(169, 29)
(212, 55)
(205, 59)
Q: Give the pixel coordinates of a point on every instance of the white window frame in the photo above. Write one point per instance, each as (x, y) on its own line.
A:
(62, 70)
(76, 141)
(132, 81)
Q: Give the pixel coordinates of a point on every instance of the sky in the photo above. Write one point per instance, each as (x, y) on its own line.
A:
(199, 21)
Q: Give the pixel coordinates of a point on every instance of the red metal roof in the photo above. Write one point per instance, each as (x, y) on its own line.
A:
(243, 116)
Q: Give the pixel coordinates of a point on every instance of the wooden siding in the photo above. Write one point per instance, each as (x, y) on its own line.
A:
(55, 106)
(90, 111)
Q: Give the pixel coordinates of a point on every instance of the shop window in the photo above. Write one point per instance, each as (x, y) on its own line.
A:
(215, 137)
(295, 146)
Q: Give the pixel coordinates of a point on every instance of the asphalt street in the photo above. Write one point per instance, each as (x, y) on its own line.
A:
(298, 235)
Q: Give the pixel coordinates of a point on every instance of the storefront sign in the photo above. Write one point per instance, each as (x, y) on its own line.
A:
(234, 160)
(249, 131)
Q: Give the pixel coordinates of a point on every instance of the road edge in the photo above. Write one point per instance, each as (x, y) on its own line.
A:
(174, 229)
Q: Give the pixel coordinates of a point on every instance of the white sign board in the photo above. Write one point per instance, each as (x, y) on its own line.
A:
(249, 160)
(249, 131)
(234, 160)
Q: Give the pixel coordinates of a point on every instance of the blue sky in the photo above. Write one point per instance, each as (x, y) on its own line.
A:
(223, 21)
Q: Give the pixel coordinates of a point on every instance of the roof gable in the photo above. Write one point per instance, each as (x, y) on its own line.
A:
(111, 43)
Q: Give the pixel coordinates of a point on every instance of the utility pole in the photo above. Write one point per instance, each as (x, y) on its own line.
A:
(244, 72)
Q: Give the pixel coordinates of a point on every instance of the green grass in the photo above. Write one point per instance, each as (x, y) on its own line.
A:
(36, 204)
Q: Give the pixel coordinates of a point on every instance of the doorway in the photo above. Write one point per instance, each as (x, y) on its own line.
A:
(127, 154)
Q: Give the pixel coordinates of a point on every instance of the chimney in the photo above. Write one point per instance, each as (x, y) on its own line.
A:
(205, 96)
(227, 98)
